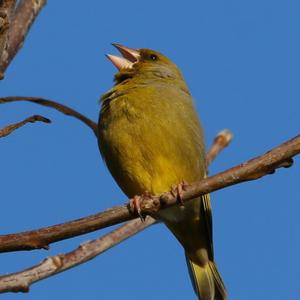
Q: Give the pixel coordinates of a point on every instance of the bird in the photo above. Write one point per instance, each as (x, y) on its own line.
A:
(150, 137)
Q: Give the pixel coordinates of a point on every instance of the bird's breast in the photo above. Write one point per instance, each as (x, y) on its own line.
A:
(150, 139)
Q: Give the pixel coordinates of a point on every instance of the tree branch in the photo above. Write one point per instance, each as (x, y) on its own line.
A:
(52, 104)
(280, 156)
(10, 128)
(21, 281)
(6, 10)
(24, 16)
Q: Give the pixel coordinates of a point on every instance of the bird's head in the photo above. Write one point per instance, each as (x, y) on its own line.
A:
(142, 63)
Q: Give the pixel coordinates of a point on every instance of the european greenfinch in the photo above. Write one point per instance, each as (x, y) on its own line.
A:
(151, 139)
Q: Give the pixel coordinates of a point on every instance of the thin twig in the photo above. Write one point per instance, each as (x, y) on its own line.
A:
(221, 141)
(24, 16)
(10, 128)
(21, 281)
(250, 170)
(49, 103)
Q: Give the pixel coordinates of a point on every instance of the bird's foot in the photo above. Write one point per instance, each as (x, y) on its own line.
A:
(135, 204)
(177, 191)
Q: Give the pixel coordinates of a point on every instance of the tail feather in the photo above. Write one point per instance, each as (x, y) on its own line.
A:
(219, 284)
(206, 281)
(192, 226)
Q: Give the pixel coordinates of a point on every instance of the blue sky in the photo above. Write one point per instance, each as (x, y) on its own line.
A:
(241, 62)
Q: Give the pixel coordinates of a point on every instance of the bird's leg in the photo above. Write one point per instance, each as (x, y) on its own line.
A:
(177, 191)
(135, 204)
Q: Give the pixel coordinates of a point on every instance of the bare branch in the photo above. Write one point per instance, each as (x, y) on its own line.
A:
(25, 14)
(250, 170)
(21, 281)
(60, 107)
(34, 242)
(10, 128)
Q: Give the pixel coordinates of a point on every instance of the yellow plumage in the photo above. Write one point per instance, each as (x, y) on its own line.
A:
(151, 139)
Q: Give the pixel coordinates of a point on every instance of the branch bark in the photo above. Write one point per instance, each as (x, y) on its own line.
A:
(21, 21)
(6, 10)
(278, 157)
(10, 128)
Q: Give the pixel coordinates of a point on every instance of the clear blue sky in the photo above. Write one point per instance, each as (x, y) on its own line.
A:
(241, 61)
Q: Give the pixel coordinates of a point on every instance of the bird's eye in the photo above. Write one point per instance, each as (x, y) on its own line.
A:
(153, 57)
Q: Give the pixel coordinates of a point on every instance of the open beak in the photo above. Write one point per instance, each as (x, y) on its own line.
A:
(130, 56)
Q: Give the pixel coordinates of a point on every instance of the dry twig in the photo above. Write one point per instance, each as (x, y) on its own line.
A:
(221, 141)
(49, 103)
(10, 128)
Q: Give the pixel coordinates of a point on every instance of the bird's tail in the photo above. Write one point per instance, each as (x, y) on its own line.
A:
(206, 280)
(192, 226)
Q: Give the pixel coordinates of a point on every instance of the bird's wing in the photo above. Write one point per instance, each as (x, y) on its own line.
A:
(208, 220)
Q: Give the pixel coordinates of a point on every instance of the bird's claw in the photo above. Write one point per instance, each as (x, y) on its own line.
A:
(135, 204)
(177, 191)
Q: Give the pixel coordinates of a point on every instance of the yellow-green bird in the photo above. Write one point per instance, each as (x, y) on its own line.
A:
(151, 139)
